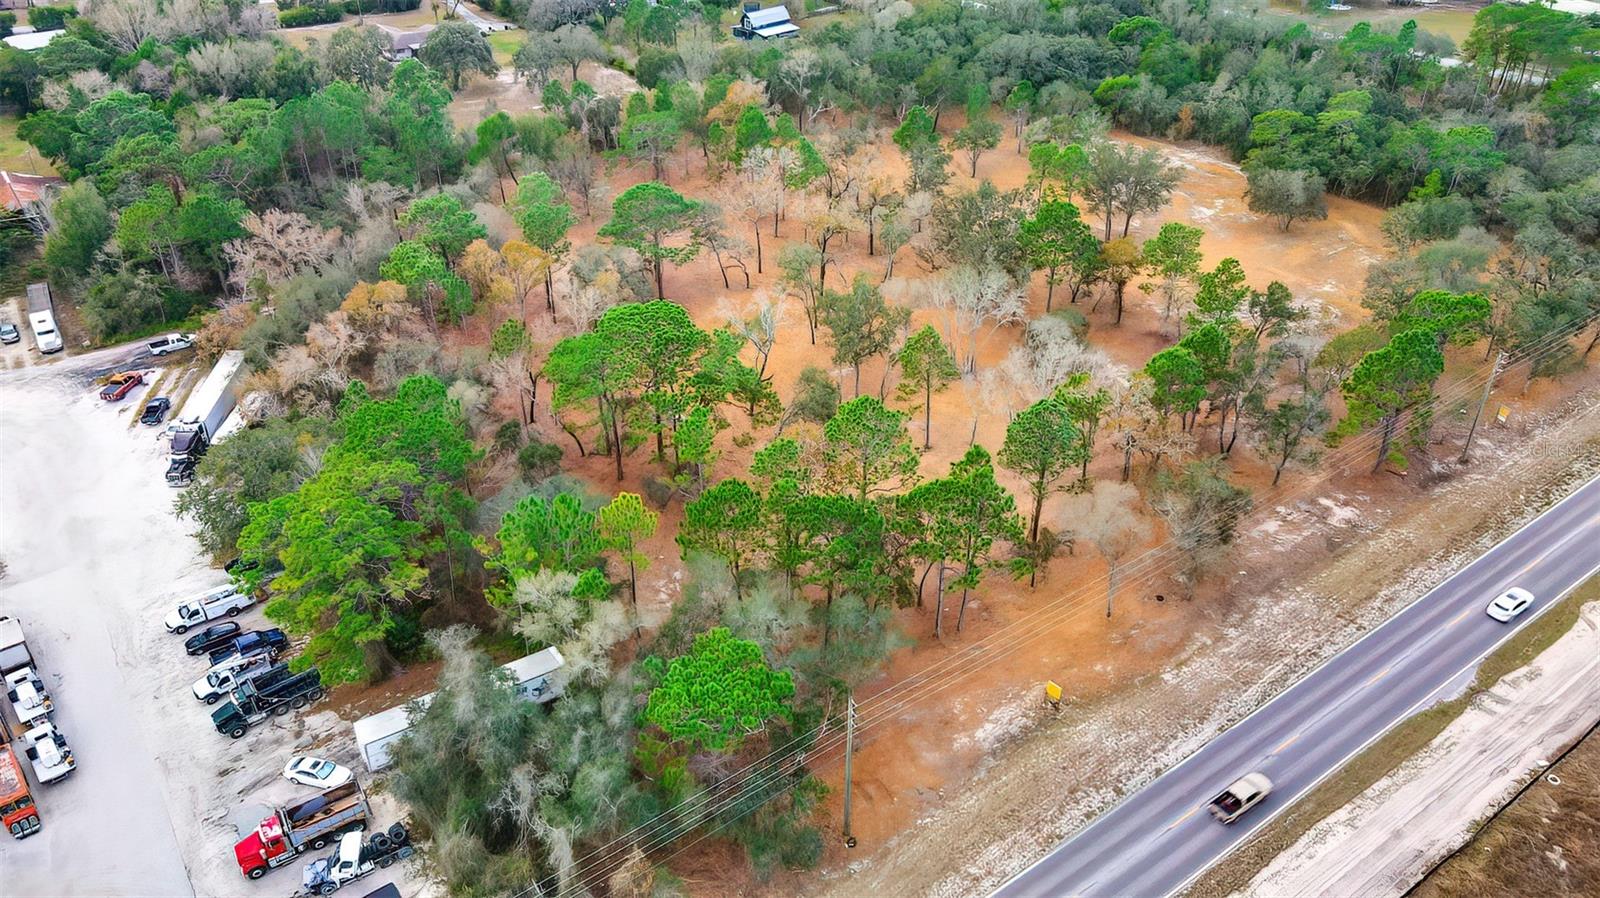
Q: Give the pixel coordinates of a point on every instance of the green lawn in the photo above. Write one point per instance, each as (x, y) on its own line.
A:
(505, 44)
(18, 156)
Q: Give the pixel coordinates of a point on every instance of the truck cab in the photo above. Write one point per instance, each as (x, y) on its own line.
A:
(307, 826)
(1245, 793)
(355, 858)
(47, 750)
(224, 600)
(28, 696)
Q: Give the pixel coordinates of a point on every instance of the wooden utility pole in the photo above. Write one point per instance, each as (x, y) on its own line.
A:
(1488, 387)
(849, 752)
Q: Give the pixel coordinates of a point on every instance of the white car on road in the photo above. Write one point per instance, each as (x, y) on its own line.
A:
(318, 773)
(223, 600)
(1511, 603)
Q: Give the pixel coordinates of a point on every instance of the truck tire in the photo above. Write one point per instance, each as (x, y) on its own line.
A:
(385, 861)
(381, 843)
(319, 843)
(238, 731)
(212, 698)
(257, 872)
(327, 888)
(398, 834)
(299, 702)
(405, 852)
(233, 612)
(280, 710)
(314, 695)
(181, 629)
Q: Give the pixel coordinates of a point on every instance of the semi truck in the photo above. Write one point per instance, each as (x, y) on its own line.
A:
(272, 693)
(200, 422)
(42, 318)
(48, 752)
(356, 857)
(532, 676)
(30, 701)
(310, 825)
(17, 811)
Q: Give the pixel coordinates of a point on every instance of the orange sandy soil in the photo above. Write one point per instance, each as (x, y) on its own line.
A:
(938, 743)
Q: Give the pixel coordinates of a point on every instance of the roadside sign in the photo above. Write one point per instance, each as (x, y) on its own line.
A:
(1052, 691)
(1503, 414)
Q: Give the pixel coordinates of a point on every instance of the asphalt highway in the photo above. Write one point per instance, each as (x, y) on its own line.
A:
(1160, 838)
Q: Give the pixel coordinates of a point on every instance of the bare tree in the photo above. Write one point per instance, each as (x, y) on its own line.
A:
(756, 194)
(758, 322)
(968, 300)
(1106, 517)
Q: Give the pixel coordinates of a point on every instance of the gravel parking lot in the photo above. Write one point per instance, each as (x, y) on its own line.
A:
(94, 559)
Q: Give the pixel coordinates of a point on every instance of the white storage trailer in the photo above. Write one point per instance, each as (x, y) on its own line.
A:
(13, 648)
(533, 677)
(211, 402)
(42, 318)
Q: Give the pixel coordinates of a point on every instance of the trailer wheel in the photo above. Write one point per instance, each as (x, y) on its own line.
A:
(299, 702)
(386, 861)
(238, 732)
(257, 872)
(398, 834)
(314, 695)
(380, 842)
(319, 843)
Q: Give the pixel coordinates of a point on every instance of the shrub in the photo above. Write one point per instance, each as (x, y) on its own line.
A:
(538, 459)
(508, 436)
(659, 491)
(301, 16)
(8, 21)
(655, 64)
(49, 18)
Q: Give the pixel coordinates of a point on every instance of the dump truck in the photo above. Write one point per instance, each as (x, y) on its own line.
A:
(309, 825)
(17, 811)
(271, 693)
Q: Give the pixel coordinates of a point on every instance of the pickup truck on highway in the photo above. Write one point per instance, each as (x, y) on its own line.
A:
(1245, 793)
(47, 749)
(309, 825)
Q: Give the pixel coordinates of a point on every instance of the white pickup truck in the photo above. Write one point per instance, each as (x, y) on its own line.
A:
(170, 343)
(224, 600)
(226, 675)
(47, 749)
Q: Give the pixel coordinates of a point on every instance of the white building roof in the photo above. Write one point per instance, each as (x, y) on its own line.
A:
(781, 29)
(386, 723)
(762, 18)
(32, 40)
(539, 664)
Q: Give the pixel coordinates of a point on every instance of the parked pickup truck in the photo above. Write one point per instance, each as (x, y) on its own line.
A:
(28, 696)
(228, 675)
(1246, 792)
(47, 749)
(170, 343)
(311, 825)
(223, 600)
(355, 858)
(273, 692)
(256, 642)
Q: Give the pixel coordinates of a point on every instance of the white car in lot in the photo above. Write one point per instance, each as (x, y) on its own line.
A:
(1510, 603)
(223, 600)
(318, 773)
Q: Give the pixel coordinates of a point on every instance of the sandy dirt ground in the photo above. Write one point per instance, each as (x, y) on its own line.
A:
(1384, 841)
(94, 559)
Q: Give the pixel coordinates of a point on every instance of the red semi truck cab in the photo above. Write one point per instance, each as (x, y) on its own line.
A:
(17, 811)
(308, 826)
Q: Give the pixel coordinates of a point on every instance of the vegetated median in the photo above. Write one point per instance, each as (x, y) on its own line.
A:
(1389, 752)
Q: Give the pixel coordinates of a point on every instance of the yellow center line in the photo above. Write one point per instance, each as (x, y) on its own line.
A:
(1378, 676)
(1286, 743)
(1191, 813)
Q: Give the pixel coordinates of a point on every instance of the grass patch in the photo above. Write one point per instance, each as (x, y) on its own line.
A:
(505, 44)
(1390, 751)
(16, 155)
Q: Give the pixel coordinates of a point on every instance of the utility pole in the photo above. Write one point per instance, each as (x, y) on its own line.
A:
(1499, 362)
(849, 752)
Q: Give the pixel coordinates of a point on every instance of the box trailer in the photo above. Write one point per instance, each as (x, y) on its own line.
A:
(42, 318)
(14, 653)
(209, 405)
(532, 676)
